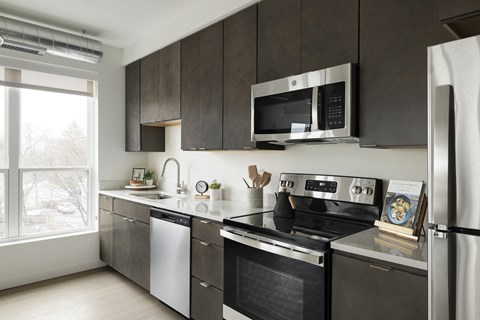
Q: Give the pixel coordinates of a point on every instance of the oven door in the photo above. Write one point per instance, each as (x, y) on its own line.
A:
(267, 279)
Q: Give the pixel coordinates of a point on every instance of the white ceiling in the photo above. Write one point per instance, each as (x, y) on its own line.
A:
(123, 23)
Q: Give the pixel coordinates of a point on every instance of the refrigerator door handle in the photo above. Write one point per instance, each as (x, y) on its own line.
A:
(441, 169)
(438, 274)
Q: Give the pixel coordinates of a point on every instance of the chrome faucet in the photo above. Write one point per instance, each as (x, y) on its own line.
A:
(180, 187)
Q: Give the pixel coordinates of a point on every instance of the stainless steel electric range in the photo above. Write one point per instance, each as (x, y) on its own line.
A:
(280, 268)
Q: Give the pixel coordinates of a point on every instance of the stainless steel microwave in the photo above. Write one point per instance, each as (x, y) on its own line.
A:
(317, 106)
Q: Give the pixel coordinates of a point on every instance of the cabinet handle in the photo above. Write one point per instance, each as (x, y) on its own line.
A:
(205, 221)
(380, 268)
(124, 218)
(204, 284)
(202, 149)
(131, 220)
(247, 148)
(206, 244)
(193, 149)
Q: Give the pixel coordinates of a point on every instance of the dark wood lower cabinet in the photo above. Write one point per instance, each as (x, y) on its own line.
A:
(207, 301)
(131, 249)
(207, 262)
(207, 270)
(105, 230)
(364, 289)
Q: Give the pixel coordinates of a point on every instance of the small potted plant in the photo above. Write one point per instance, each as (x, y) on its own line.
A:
(215, 191)
(148, 176)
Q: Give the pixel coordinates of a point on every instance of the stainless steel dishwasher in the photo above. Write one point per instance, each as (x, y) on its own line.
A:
(170, 259)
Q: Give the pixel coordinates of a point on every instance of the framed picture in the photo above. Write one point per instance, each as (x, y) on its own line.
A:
(137, 173)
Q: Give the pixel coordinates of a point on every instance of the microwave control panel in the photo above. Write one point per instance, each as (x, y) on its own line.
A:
(331, 99)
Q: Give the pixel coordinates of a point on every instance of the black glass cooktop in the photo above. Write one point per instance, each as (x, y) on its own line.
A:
(311, 230)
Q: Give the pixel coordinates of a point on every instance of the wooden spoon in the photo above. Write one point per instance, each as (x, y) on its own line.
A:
(265, 176)
(252, 174)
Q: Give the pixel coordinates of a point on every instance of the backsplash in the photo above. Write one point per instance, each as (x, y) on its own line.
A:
(229, 167)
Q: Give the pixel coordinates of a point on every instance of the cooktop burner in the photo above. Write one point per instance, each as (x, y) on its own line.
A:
(325, 208)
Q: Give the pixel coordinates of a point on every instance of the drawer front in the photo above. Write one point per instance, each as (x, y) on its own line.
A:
(207, 230)
(132, 210)
(105, 202)
(207, 262)
(207, 301)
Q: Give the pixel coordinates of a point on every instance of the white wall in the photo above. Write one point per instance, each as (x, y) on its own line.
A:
(27, 262)
(342, 159)
(194, 18)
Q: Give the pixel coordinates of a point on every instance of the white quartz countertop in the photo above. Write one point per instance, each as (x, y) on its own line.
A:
(374, 244)
(215, 210)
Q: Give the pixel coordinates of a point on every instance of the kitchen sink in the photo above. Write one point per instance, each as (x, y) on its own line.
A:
(153, 196)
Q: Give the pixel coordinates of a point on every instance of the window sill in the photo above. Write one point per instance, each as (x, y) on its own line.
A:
(23, 240)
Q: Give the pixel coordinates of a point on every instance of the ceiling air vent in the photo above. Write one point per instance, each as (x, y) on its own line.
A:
(26, 37)
(18, 46)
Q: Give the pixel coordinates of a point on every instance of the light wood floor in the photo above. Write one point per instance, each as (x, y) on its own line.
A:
(101, 294)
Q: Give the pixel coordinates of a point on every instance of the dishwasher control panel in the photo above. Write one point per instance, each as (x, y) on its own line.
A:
(170, 216)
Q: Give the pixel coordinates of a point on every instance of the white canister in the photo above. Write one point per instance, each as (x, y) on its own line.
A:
(215, 194)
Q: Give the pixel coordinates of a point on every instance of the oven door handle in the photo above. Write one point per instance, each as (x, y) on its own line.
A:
(274, 246)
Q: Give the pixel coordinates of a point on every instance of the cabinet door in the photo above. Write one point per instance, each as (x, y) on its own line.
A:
(279, 34)
(207, 262)
(140, 262)
(132, 107)
(207, 301)
(131, 249)
(105, 230)
(239, 73)
(122, 245)
(169, 82)
(149, 88)
(329, 33)
(202, 89)
(394, 36)
(364, 291)
(137, 136)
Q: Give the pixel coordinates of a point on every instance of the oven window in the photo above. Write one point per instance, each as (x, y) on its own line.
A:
(265, 286)
(269, 293)
(288, 112)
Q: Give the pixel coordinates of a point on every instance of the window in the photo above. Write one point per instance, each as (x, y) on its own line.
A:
(46, 153)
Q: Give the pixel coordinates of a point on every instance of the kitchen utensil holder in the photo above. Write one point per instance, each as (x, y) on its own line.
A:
(255, 198)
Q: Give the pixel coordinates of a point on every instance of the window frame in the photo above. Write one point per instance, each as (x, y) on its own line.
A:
(12, 171)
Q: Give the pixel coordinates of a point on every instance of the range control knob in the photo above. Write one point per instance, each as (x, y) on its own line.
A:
(290, 184)
(283, 183)
(368, 191)
(357, 190)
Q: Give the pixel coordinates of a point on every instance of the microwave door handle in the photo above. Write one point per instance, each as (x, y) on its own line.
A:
(315, 109)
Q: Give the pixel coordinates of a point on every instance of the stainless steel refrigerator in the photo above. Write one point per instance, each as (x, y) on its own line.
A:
(454, 180)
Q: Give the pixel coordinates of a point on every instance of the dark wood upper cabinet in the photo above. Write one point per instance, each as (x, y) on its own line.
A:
(202, 89)
(169, 82)
(137, 136)
(149, 89)
(239, 73)
(279, 39)
(329, 33)
(461, 17)
(394, 36)
(457, 9)
(132, 107)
